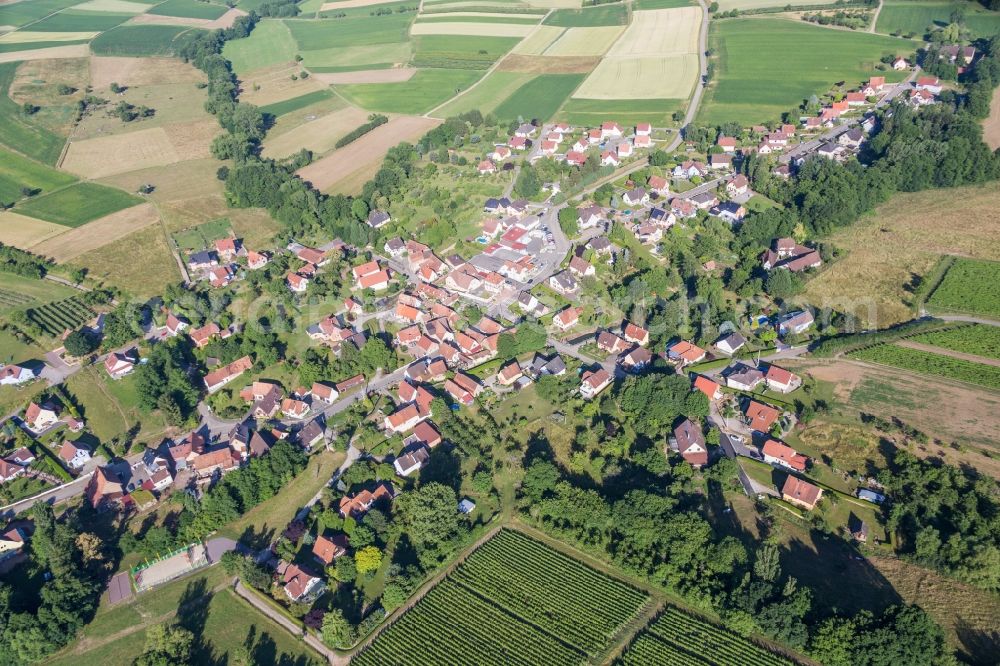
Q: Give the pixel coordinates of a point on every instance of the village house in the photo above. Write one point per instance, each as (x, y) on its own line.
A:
(202, 336)
(636, 359)
(486, 167)
(760, 417)
(610, 343)
(411, 459)
(852, 138)
(738, 185)
(580, 267)
(781, 380)
(297, 283)
(563, 283)
(74, 454)
(589, 217)
(743, 377)
(857, 528)
(690, 443)
(327, 549)
(636, 197)
(358, 505)
(40, 417)
(720, 161)
(708, 387)
(929, 83)
(256, 260)
(727, 143)
(690, 169)
(300, 586)
(795, 323)
(13, 374)
(781, 455)
(801, 493)
(219, 378)
(609, 158)
(105, 489)
(593, 382)
(9, 471)
(509, 373)
(403, 419)
(119, 364)
(685, 353)
(730, 344)
(636, 334)
(567, 318)
(659, 185)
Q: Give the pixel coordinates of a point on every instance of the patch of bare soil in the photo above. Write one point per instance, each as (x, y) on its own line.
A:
(531, 64)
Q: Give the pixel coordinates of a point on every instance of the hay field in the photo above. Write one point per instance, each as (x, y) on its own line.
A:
(274, 84)
(174, 182)
(474, 29)
(538, 40)
(24, 232)
(885, 250)
(665, 77)
(97, 234)
(174, 103)
(26, 37)
(364, 155)
(224, 21)
(270, 43)
(548, 64)
(318, 135)
(427, 89)
(660, 32)
(342, 58)
(38, 81)
(584, 41)
(78, 204)
(68, 51)
(727, 5)
(156, 146)
(140, 264)
(189, 9)
(915, 17)
(115, 6)
(391, 75)
(131, 72)
(17, 172)
(349, 4)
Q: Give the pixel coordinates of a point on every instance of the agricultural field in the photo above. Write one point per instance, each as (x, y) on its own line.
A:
(18, 292)
(141, 149)
(977, 339)
(488, 93)
(593, 112)
(17, 172)
(426, 89)
(22, 134)
(78, 204)
(269, 44)
(17, 14)
(279, 84)
(927, 363)
(460, 51)
(970, 286)
(655, 58)
(319, 135)
(743, 5)
(765, 67)
(140, 40)
(74, 242)
(539, 98)
(682, 639)
(498, 605)
(313, 35)
(297, 103)
(909, 17)
(137, 72)
(202, 236)
(73, 20)
(471, 27)
(149, 267)
(56, 317)
(583, 41)
(189, 9)
(588, 16)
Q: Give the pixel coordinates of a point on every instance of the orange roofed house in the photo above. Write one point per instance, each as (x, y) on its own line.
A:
(685, 353)
(760, 417)
(358, 505)
(776, 453)
(801, 493)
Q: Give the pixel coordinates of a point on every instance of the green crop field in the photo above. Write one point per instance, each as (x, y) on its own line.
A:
(448, 18)
(937, 365)
(406, 7)
(661, 4)
(270, 43)
(10, 47)
(427, 89)
(916, 17)
(18, 132)
(77, 21)
(18, 292)
(487, 96)
(625, 111)
(296, 103)
(971, 286)
(682, 639)
(19, 13)
(141, 40)
(514, 600)
(978, 339)
(78, 204)
(460, 51)
(765, 67)
(539, 98)
(588, 17)
(17, 172)
(311, 35)
(54, 318)
(189, 9)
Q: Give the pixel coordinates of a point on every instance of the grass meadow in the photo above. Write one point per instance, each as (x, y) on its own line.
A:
(488, 95)
(78, 204)
(460, 51)
(141, 40)
(297, 103)
(661, 4)
(17, 14)
(312, 35)
(588, 17)
(73, 21)
(916, 17)
(270, 43)
(17, 172)
(139, 264)
(765, 67)
(18, 132)
(427, 88)
(539, 98)
(189, 9)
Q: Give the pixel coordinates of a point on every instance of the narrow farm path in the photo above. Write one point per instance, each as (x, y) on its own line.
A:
(878, 10)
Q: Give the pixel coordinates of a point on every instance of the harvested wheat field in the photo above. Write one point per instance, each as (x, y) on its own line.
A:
(318, 135)
(274, 84)
(105, 70)
(538, 40)
(901, 240)
(26, 37)
(394, 75)
(660, 32)
(224, 21)
(364, 155)
(473, 29)
(548, 64)
(23, 231)
(180, 181)
(663, 77)
(98, 233)
(991, 126)
(584, 41)
(156, 146)
(70, 51)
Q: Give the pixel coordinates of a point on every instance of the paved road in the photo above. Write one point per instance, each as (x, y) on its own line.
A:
(52, 496)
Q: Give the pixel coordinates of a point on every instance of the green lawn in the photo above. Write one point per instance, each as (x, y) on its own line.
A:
(297, 103)
(17, 131)
(625, 111)
(78, 204)
(460, 51)
(270, 43)
(765, 67)
(17, 172)
(588, 17)
(142, 40)
(427, 88)
(311, 35)
(189, 9)
(915, 17)
(539, 98)
(76, 21)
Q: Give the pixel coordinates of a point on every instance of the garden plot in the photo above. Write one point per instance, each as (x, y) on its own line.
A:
(156, 146)
(318, 135)
(655, 58)
(584, 41)
(474, 29)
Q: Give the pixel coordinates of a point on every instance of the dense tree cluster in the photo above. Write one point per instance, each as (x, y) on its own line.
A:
(165, 382)
(22, 262)
(527, 338)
